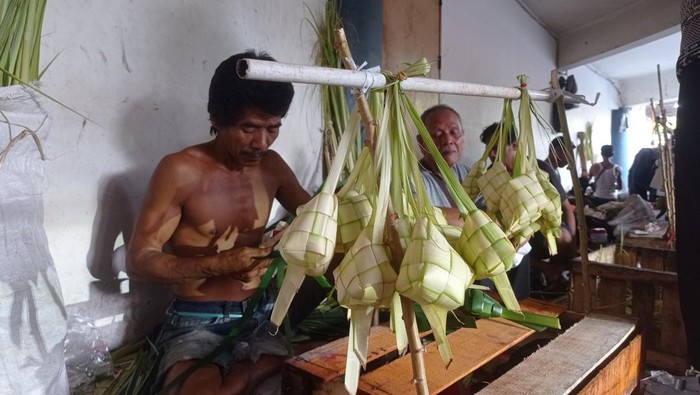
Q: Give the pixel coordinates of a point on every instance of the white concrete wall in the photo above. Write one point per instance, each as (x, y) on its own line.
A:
(139, 72)
(589, 84)
(638, 90)
(491, 43)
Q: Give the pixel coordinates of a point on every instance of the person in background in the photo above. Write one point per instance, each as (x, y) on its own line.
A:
(445, 127)
(200, 229)
(522, 276)
(556, 159)
(642, 173)
(606, 176)
(565, 242)
(549, 272)
(687, 182)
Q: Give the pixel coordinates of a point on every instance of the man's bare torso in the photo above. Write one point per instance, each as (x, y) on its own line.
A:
(221, 209)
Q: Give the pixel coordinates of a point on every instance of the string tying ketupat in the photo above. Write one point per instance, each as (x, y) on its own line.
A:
(491, 184)
(470, 181)
(486, 249)
(307, 247)
(365, 278)
(355, 208)
(521, 202)
(524, 234)
(308, 244)
(548, 201)
(551, 215)
(435, 276)
(354, 212)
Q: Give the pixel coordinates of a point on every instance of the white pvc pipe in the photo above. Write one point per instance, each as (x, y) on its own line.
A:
(256, 69)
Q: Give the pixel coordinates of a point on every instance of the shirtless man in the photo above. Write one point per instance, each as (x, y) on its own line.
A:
(607, 183)
(201, 226)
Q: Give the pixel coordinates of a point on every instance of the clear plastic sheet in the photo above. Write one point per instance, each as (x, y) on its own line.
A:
(87, 354)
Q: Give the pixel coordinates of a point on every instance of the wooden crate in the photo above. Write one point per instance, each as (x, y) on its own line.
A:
(639, 280)
(320, 371)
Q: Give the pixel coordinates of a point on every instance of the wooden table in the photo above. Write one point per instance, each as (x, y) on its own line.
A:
(593, 343)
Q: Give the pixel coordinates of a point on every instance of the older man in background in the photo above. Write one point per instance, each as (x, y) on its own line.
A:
(445, 127)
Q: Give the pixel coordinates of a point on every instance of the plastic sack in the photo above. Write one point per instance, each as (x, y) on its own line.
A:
(636, 212)
(32, 314)
(87, 354)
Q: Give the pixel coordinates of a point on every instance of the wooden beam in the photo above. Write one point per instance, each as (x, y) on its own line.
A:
(621, 375)
(646, 21)
(627, 273)
(570, 360)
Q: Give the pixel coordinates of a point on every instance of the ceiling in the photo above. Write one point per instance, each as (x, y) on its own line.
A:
(655, 38)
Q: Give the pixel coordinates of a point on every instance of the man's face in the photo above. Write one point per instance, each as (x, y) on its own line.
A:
(509, 159)
(247, 141)
(509, 155)
(445, 128)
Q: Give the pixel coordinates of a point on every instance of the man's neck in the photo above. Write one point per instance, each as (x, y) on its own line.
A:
(431, 166)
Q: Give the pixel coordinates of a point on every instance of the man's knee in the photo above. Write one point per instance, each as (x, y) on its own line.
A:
(206, 380)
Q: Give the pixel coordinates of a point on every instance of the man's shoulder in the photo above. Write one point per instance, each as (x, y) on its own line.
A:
(273, 162)
(185, 162)
(544, 166)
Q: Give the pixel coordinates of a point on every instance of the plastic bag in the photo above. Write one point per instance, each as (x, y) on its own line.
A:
(636, 213)
(87, 354)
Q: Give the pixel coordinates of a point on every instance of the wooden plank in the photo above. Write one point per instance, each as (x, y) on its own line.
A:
(643, 309)
(323, 364)
(611, 296)
(568, 360)
(621, 375)
(411, 31)
(651, 259)
(576, 291)
(536, 306)
(672, 338)
(471, 349)
(619, 272)
(649, 243)
(626, 257)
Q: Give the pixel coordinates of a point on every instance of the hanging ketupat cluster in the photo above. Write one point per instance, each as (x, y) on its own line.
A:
(521, 199)
(439, 261)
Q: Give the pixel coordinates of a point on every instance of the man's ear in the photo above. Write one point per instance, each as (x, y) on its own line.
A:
(215, 127)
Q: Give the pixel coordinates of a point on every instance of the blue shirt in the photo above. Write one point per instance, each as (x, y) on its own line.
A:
(437, 189)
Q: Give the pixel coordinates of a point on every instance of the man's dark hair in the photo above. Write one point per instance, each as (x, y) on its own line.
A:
(558, 142)
(230, 95)
(488, 131)
(438, 107)
(607, 151)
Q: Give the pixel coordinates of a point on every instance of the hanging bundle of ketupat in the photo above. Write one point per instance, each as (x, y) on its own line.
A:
(439, 261)
(518, 195)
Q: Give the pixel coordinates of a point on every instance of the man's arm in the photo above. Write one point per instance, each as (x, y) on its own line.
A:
(568, 216)
(155, 225)
(594, 170)
(290, 193)
(618, 172)
(453, 216)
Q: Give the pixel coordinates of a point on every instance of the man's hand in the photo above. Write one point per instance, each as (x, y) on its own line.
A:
(246, 263)
(252, 279)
